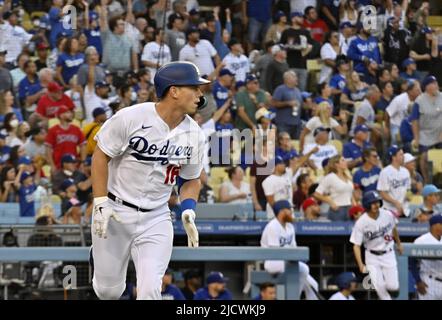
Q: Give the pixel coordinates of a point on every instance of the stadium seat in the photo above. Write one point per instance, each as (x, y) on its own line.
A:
(338, 145)
(434, 21)
(435, 156)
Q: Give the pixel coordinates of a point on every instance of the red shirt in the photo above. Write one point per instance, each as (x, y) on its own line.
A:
(317, 29)
(64, 141)
(48, 107)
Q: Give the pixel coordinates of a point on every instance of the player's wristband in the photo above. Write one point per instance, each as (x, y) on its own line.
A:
(188, 204)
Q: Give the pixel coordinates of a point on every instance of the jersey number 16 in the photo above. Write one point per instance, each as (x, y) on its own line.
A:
(172, 172)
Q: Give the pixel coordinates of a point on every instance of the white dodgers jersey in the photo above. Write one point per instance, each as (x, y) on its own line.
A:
(147, 157)
(430, 266)
(375, 234)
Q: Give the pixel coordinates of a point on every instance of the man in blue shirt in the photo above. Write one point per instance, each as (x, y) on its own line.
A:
(366, 178)
(31, 79)
(221, 87)
(285, 149)
(338, 81)
(352, 150)
(215, 289)
(26, 189)
(170, 291)
(363, 49)
(56, 18)
(267, 291)
(93, 34)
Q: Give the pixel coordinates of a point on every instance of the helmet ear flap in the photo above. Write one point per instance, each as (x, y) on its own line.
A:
(202, 103)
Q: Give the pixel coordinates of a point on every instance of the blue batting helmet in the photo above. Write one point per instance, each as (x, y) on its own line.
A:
(369, 198)
(178, 73)
(344, 280)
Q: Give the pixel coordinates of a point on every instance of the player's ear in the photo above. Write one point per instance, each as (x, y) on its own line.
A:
(174, 92)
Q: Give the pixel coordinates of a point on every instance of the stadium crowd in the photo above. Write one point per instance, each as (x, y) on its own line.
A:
(351, 109)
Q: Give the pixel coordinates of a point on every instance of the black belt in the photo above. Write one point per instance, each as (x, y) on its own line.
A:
(379, 252)
(435, 278)
(111, 196)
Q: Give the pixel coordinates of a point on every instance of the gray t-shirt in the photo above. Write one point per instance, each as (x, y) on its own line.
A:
(83, 74)
(117, 51)
(365, 111)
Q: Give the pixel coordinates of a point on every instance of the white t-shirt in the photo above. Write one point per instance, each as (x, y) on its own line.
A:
(325, 151)
(275, 235)
(339, 296)
(147, 156)
(92, 101)
(398, 109)
(327, 52)
(345, 43)
(155, 53)
(314, 123)
(13, 39)
(278, 186)
(238, 65)
(339, 190)
(201, 55)
(375, 234)
(430, 266)
(396, 183)
(232, 190)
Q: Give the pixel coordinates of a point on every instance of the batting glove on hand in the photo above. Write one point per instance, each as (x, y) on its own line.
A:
(188, 218)
(102, 214)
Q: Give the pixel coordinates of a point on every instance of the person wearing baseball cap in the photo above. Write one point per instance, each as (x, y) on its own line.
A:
(409, 73)
(311, 209)
(50, 102)
(426, 119)
(236, 61)
(321, 149)
(352, 150)
(431, 205)
(26, 186)
(91, 129)
(427, 272)
(417, 182)
(221, 88)
(169, 291)
(215, 289)
(346, 282)
(42, 55)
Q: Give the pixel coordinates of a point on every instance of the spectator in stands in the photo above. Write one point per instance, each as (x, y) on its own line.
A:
(311, 209)
(10, 127)
(399, 108)
(18, 137)
(222, 88)
(316, 26)
(236, 190)
(285, 148)
(330, 12)
(92, 60)
(5, 150)
(366, 177)
(7, 106)
(352, 150)
(303, 183)
(299, 44)
(336, 189)
(256, 16)
(119, 55)
(19, 73)
(215, 289)
(339, 80)
(431, 205)
(91, 129)
(26, 83)
(68, 194)
(324, 94)
(363, 49)
(396, 42)
(287, 99)
(262, 64)
(69, 62)
(34, 146)
(348, 11)
(417, 182)
(35, 92)
(277, 28)
(6, 82)
(279, 232)
(51, 102)
(258, 173)
(64, 138)
(92, 29)
(9, 191)
(354, 92)
(387, 96)
(323, 118)
(56, 18)
(236, 61)
(426, 120)
(176, 39)
(208, 29)
(267, 291)
(68, 170)
(24, 182)
(370, 77)
(192, 282)
(248, 102)
(156, 53)
(72, 212)
(409, 73)
(169, 291)
(346, 35)
(424, 50)
(394, 182)
(83, 180)
(96, 95)
(329, 52)
(276, 69)
(222, 36)
(321, 149)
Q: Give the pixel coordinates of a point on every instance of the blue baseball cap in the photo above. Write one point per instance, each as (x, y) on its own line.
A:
(361, 127)
(319, 130)
(225, 72)
(25, 175)
(239, 84)
(306, 95)
(427, 30)
(98, 112)
(279, 14)
(93, 15)
(279, 160)
(216, 277)
(101, 84)
(393, 150)
(407, 62)
(281, 204)
(24, 160)
(66, 184)
(251, 77)
(428, 80)
(194, 12)
(345, 24)
(68, 158)
(430, 189)
(296, 14)
(344, 280)
(437, 218)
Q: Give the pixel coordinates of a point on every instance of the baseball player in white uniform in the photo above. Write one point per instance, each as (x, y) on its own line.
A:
(428, 272)
(376, 229)
(346, 282)
(142, 151)
(280, 232)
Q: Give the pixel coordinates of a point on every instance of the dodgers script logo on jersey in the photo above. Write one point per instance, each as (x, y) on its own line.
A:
(397, 183)
(285, 241)
(382, 232)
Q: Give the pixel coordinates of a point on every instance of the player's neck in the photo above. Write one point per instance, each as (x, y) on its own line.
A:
(172, 117)
(396, 165)
(64, 124)
(345, 293)
(373, 215)
(435, 235)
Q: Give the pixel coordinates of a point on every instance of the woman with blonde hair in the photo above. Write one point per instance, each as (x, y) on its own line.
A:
(348, 11)
(322, 118)
(7, 106)
(336, 189)
(355, 90)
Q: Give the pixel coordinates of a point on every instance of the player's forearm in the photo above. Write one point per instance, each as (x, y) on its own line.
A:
(385, 196)
(396, 236)
(99, 173)
(190, 190)
(357, 253)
